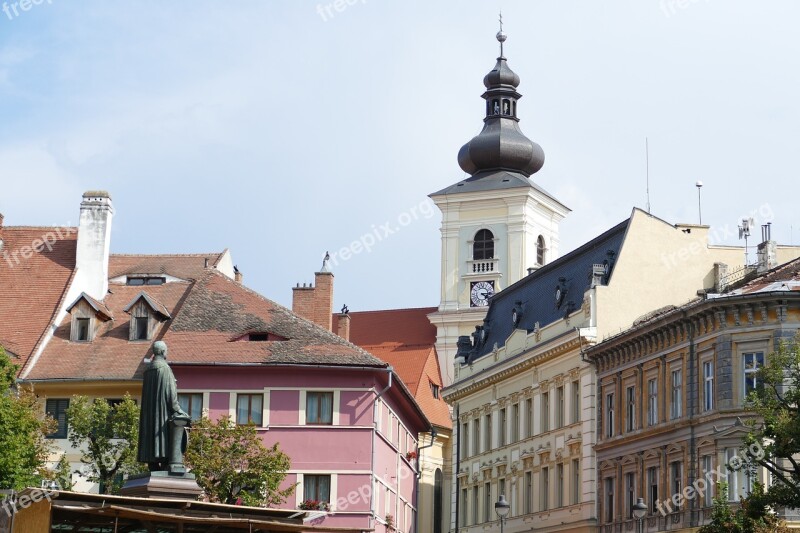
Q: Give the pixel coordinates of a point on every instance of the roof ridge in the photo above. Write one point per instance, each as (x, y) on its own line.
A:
(333, 336)
(4, 227)
(168, 255)
(395, 310)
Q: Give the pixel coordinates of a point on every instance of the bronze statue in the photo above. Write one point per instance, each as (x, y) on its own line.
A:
(162, 423)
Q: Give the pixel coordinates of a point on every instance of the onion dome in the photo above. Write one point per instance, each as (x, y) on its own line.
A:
(501, 145)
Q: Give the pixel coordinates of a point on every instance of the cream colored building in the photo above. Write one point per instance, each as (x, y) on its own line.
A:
(524, 396)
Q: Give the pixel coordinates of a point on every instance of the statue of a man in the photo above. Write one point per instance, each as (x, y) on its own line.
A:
(162, 422)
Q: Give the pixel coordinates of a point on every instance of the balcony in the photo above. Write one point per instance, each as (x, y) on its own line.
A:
(477, 267)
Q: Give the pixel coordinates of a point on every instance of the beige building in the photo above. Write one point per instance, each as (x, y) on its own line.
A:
(670, 402)
(524, 394)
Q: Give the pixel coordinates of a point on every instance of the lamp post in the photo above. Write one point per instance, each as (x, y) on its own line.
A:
(501, 508)
(639, 510)
(699, 185)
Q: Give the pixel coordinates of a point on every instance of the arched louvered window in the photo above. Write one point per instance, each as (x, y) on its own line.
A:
(540, 251)
(483, 245)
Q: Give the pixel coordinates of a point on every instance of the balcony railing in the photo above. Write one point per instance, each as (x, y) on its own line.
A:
(482, 266)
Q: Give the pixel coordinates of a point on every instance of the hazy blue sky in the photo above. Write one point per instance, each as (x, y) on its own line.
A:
(280, 133)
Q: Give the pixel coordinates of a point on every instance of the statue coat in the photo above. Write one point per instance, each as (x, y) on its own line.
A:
(159, 405)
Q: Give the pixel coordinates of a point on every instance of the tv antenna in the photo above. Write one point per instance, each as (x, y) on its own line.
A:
(647, 169)
(744, 233)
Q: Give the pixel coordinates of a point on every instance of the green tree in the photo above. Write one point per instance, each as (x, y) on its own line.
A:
(752, 515)
(232, 463)
(108, 436)
(23, 428)
(773, 441)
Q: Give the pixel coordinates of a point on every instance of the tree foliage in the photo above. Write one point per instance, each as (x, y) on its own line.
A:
(752, 515)
(108, 437)
(775, 433)
(24, 447)
(232, 464)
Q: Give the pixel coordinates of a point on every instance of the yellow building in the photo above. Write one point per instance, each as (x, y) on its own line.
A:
(670, 402)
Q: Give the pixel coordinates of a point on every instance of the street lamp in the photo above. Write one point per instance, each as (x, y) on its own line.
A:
(639, 510)
(699, 185)
(501, 508)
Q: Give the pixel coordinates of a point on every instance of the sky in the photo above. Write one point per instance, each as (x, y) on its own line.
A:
(285, 129)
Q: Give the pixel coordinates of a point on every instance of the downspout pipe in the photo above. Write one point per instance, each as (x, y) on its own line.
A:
(458, 464)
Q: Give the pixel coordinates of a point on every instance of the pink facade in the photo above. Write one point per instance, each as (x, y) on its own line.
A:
(356, 458)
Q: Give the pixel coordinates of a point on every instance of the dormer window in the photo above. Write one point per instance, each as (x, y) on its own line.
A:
(138, 281)
(86, 312)
(146, 314)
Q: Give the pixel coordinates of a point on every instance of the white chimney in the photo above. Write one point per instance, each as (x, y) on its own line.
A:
(94, 241)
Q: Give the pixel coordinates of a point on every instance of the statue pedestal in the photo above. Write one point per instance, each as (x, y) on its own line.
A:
(162, 485)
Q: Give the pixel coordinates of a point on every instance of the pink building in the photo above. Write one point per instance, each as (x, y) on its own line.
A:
(347, 422)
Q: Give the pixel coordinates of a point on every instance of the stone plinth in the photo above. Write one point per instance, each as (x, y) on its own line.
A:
(162, 485)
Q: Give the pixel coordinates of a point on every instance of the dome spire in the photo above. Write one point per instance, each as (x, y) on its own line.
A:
(501, 37)
(501, 145)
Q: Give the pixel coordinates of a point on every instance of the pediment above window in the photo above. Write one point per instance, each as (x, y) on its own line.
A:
(85, 314)
(146, 313)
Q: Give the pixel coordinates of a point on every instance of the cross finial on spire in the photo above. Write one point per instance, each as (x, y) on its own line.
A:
(501, 37)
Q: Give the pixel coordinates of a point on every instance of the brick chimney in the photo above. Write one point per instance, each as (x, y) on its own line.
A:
(94, 242)
(237, 274)
(316, 301)
(767, 250)
(343, 325)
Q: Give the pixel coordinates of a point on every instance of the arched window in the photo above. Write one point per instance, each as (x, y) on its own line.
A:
(483, 246)
(437, 501)
(540, 251)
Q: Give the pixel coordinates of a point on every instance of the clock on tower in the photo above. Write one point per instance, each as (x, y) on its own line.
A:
(480, 292)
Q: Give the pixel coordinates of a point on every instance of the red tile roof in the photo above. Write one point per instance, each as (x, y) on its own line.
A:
(405, 339)
(184, 266)
(31, 289)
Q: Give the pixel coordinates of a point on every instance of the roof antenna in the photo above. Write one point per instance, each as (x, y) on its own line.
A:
(647, 163)
(500, 35)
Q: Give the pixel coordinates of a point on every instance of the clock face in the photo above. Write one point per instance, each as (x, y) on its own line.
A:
(480, 292)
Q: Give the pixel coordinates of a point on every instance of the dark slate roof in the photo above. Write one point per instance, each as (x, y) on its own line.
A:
(494, 180)
(537, 291)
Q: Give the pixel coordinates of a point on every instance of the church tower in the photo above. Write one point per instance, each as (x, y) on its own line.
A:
(497, 224)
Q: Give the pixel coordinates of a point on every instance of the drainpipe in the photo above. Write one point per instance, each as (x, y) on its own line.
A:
(693, 391)
(419, 475)
(390, 372)
(458, 463)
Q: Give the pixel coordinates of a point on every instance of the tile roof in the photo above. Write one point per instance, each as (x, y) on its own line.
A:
(31, 290)
(405, 339)
(784, 277)
(184, 266)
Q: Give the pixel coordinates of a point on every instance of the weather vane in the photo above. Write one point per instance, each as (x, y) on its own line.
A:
(501, 37)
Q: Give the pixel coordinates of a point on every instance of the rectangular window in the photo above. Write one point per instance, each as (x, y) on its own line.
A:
(559, 407)
(630, 411)
(464, 500)
(630, 494)
(501, 431)
(652, 402)
(576, 482)
(488, 505)
(249, 408)
(652, 485)
(528, 493)
(560, 485)
(476, 436)
(676, 399)
(487, 436)
(610, 415)
(82, 329)
(545, 412)
(475, 505)
(708, 385)
(675, 477)
(140, 331)
(57, 410)
(319, 408)
(501, 487)
(515, 422)
(465, 440)
(192, 404)
(609, 501)
(435, 391)
(317, 487)
(576, 402)
(529, 417)
(708, 498)
(545, 496)
(739, 483)
(752, 362)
